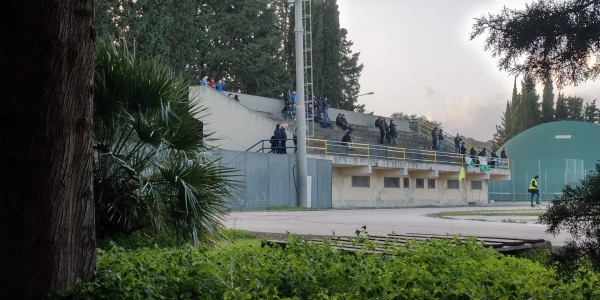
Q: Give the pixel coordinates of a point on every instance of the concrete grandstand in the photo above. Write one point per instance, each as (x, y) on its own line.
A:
(369, 175)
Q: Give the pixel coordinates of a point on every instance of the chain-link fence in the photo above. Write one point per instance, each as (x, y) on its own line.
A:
(553, 174)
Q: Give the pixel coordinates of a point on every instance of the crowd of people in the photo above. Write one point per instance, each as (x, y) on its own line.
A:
(218, 85)
(460, 147)
(318, 111)
(317, 108)
(387, 133)
(279, 139)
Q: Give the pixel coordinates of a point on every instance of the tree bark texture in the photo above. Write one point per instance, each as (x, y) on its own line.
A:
(47, 57)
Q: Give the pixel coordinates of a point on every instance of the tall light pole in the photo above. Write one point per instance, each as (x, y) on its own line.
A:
(302, 191)
(369, 93)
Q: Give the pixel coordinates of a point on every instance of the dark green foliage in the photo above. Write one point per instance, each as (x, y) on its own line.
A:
(562, 111)
(529, 108)
(152, 170)
(523, 112)
(329, 82)
(569, 108)
(577, 212)
(350, 70)
(548, 38)
(509, 122)
(591, 113)
(249, 43)
(447, 269)
(575, 108)
(499, 137)
(548, 102)
(235, 40)
(245, 47)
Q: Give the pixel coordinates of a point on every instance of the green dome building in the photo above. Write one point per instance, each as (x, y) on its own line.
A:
(560, 153)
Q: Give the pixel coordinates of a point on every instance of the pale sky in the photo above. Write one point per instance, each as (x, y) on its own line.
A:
(418, 60)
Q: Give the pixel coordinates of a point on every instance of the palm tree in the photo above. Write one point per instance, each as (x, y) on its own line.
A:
(152, 169)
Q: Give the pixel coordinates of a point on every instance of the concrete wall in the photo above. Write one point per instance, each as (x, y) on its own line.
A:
(347, 196)
(270, 180)
(236, 126)
(377, 195)
(274, 106)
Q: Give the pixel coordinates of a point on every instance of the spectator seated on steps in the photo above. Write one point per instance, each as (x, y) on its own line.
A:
(288, 111)
(341, 121)
(321, 121)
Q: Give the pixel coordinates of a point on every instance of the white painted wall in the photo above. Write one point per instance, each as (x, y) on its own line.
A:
(274, 106)
(236, 126)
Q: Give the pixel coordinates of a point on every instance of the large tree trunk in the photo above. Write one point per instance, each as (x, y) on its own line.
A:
(47, 56)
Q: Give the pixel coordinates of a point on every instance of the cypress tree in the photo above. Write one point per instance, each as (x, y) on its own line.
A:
(507, 122)
(515, 113)
(562, 112)
(499, 137)
(575, 108)
(330, 82)
(548, 102)
(351, 73)
(530, 108)
(591, 113)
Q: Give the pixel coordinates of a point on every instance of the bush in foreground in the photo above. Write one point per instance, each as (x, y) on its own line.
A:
(447, 269)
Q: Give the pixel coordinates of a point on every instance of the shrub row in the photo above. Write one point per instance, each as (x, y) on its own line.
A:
(448, 269)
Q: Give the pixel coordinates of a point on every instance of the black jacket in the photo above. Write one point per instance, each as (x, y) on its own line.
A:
(347, 138)
(277, 133)
(473, 152)
(503, 154)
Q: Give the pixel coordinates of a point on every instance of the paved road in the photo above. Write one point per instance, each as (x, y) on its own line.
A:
(385, 221)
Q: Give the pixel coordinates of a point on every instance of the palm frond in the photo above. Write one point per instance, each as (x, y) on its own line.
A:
(152, 167)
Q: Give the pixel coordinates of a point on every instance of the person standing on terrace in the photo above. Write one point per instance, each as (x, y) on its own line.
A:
(326, 110)
(293, 99)
(381, 130)
(283, 138)
(463, 148)
(219, 85)
(434, 137)
(440, 139)
(203, 80)
(457, 143)
(277, 138)
(393, 134)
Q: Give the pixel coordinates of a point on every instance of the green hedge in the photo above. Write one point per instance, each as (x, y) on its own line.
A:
(447, 269)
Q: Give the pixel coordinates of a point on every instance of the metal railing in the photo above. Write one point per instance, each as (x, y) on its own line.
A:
(424, 128)
(326, 147)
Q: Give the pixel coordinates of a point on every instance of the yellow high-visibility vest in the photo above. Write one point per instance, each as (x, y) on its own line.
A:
(534, 184)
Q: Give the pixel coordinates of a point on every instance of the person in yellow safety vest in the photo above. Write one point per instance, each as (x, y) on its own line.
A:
(535, 190)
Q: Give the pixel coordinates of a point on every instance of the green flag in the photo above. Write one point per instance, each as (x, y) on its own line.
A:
(469, 161)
